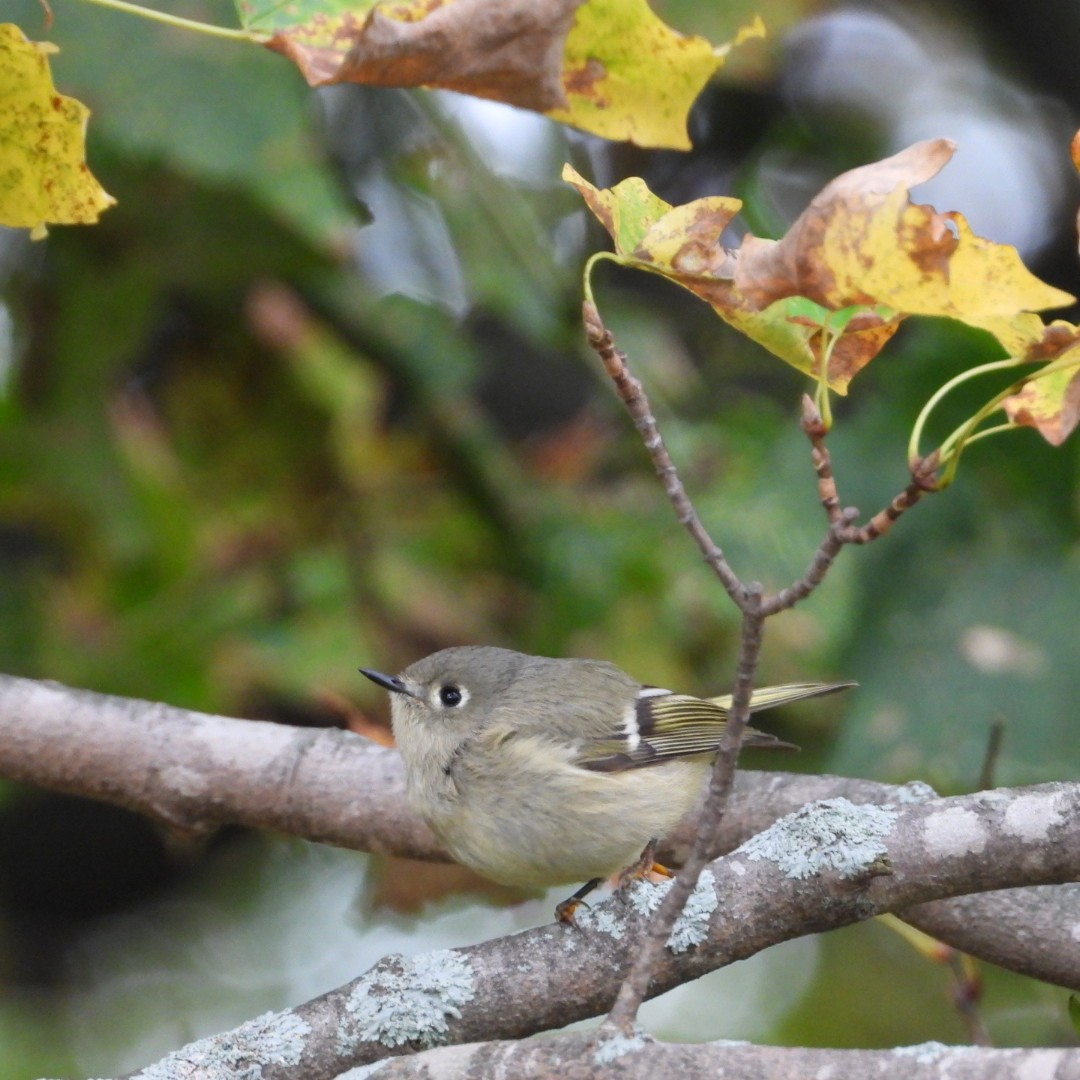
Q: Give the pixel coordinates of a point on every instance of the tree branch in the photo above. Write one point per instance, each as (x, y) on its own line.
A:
(1035, 931)
(828, 865)
(598, 1057)
(923, 482)
(193, 771)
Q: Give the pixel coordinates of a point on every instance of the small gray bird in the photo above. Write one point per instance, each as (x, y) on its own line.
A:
(535, 771)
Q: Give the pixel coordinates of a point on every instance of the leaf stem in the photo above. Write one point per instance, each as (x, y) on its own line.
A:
(586, 274)
(971, 373)
(951, 449)
(821, 398)
(177, 21)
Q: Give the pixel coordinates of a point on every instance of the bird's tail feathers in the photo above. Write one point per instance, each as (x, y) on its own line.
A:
(767, 697)
(762, 740)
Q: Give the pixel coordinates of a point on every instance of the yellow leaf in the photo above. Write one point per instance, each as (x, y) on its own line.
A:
(861, 244)
(629, 76)
(1027, 337)
(990, 279)
(687, 238)
(925, 263)
(43, 174)
(683, 244)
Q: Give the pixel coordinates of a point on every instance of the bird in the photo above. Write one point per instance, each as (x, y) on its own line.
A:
(542, 771)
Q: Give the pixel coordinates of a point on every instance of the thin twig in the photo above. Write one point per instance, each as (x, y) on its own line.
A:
(815, 430)
(923, 481)
(966, 994)
(636, 984)
(831, 546)
(748, 600)
(885, 519)
(966, 989)
(993, 751)
(632, 394)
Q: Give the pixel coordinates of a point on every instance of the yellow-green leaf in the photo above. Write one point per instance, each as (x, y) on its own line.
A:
(687, 238)
(1049, 400)
(629, 76)
(683, 243)
(43, 174)
(863, 241)
(1050, 404)
(628, 210)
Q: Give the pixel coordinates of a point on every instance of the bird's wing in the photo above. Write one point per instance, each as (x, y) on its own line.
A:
(660, 726)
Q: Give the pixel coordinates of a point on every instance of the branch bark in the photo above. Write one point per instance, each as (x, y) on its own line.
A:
(825, 866)
(193, 771)
(1035, 931)
(569, 1057)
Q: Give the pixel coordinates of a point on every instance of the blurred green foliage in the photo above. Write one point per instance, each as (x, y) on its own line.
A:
(232, 470)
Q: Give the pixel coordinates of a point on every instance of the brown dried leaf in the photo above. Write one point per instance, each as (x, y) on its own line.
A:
(510, 51)
(611, 67)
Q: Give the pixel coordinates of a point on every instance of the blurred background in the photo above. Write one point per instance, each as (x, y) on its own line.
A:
(315, 395)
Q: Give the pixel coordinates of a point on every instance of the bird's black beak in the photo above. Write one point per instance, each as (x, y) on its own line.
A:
(387, 682)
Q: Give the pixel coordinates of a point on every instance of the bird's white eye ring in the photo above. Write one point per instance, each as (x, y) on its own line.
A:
(451, 696)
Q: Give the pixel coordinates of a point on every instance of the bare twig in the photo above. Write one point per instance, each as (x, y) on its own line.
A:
(755, 609)
(648, 949)
(966, 989)
(967, 994)
(885, 519)
(993, 750)
(748, 598)
(923, 481)
(831, 546)
(632, 395)
(815, 430)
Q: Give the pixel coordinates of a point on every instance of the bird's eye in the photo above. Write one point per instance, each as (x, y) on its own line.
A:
(450, 696)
